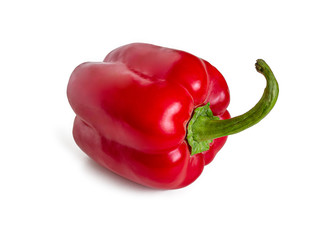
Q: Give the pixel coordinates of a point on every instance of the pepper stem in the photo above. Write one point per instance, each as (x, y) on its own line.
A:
(206, 127)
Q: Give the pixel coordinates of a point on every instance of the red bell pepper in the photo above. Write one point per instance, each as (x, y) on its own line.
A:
(156, 115)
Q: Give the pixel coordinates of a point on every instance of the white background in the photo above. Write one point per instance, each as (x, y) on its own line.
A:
(265, 182)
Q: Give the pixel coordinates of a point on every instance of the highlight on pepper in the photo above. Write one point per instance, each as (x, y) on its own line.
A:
(156, 115)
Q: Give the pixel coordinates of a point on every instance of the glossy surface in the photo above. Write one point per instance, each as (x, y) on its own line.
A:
(133, 108)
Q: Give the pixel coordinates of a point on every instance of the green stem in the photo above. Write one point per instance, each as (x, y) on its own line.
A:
(206, 128)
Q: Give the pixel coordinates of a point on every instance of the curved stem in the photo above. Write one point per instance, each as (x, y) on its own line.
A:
(205, 128)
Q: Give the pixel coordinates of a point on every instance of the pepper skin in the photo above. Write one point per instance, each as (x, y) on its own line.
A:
(133, 108)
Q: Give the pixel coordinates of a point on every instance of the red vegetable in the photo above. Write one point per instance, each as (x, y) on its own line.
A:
(150, 113)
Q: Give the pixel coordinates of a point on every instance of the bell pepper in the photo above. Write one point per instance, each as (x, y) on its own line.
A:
(155, 115)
